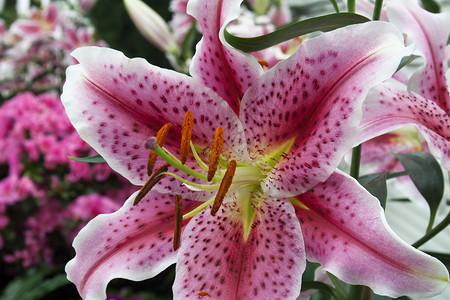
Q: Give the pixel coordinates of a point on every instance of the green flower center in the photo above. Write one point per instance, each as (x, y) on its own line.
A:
(241, 181)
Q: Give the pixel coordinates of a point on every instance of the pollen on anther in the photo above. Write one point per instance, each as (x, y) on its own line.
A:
(216, 150)
(160, 138)
(186, 133)
(224, 186)
(178, 221)
(150, 183)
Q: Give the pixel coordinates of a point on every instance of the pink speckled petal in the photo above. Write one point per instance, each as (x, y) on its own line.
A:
(227, 71)
(214, 258)
(387, 108)
(116, 103)
(345, 230)
(314, 98)
(429, 32)
(133, 243)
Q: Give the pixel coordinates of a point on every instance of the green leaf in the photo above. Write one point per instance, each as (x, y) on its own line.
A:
(322, 23)
(427, 176)
(90, 159)
(431, 6)
(35, 284)
(47, 286)
(406, 60)
(376, 185)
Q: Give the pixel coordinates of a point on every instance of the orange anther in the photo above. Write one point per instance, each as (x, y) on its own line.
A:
(224, 186)
(186, 133)
(160, 137)
(264, 64)
(216, 150)
(178, 221)
(151, 182)
(201, 294)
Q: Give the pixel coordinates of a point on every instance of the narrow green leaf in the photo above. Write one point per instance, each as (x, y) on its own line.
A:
(322, 23)
(90, 159)
(47, 286)
(427, 176)
(16, 289)
(406, 60)
(431, 6)
(376, 185)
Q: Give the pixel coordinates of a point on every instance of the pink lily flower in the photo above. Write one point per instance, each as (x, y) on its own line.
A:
(426, 104)
(275, 194)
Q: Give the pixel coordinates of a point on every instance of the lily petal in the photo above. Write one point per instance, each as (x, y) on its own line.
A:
(387, 108)
(117, 103)
(134, 243)
(227, 71)
(345, 230)
(214, 258)
(313, 100)
(429, 32)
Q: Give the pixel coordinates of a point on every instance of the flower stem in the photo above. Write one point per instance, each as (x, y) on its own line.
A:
(429, 235)
(431, 221)
(356, 158)
(377, 10)
(351, 6)
(355, 292)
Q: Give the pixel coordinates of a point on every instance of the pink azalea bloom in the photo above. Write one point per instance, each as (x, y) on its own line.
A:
(285, 131)
(86, 5)
(40, 22)
(426, 104)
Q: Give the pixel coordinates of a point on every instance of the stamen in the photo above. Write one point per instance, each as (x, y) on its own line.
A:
(160, 137)
(216, 150)
(178, 221)
(224, 186)
(153, 145)
(197, 158)
(297, 202)
(194, 186)
(198, 209)
(150, 183)
(186, 133)
(264, 64)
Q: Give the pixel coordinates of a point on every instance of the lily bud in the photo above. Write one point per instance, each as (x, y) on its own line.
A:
(151, 25)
